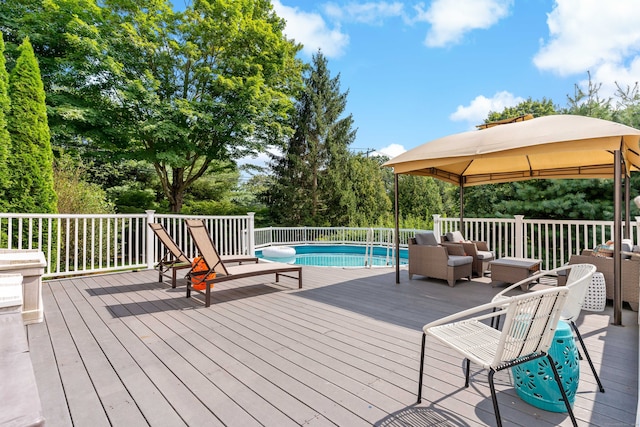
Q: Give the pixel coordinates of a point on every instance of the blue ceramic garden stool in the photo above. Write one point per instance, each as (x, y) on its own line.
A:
(534, 381)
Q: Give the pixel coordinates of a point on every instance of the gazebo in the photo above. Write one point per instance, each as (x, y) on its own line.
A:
(549, 147)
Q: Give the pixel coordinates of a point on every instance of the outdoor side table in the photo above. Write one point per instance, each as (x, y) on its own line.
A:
(534, 380)
(513, 270)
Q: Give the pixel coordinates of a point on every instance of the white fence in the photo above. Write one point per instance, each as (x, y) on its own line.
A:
(83, 244)
(552, 241)
(334, 235)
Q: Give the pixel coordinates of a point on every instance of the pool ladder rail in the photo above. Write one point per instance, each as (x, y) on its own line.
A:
(368, 252)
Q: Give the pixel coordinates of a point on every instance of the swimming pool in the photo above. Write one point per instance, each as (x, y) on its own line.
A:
(340, 256)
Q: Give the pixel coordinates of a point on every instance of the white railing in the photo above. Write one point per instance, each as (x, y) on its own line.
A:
(85, 244)
(272, 236)
(552, 241)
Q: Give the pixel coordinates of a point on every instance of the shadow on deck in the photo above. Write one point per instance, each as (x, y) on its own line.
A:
(123, 349)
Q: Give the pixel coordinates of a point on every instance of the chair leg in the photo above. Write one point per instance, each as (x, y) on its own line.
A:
(494, 398)
(207, 295)
(467, 366)
(495, 321)
(424, 338)
(556, 376)
(586, 354)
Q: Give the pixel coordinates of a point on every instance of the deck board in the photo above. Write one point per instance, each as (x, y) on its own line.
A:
(122, 349)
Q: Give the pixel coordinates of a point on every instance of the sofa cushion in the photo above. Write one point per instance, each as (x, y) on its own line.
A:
(456, 260)
(427, 238)
(454, 248)
(455, 236)
(486, 255)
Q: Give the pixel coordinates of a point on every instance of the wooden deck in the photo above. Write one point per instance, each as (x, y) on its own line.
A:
(125, 350)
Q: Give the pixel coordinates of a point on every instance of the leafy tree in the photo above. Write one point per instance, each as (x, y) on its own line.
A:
(418, 200)
(75, 194)
(541, 108)
(365, 202)
(309, 186)
(589, 103)
(212, 83)
(5, 138)
(580, 199)
(136, 80)
(31, 160)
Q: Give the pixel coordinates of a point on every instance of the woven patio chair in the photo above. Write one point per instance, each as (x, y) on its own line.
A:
(215, 265)
(530, 321)
(428, 258)
(477, 249)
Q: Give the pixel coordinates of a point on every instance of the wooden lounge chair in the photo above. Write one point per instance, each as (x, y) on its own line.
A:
(215, 264)
(175, 259)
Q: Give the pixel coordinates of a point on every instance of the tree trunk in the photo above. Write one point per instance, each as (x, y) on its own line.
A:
(176, 198)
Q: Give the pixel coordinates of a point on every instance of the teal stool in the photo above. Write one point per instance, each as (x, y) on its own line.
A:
(534, 381)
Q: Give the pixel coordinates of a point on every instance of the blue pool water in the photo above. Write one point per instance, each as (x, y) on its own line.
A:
(339, 256)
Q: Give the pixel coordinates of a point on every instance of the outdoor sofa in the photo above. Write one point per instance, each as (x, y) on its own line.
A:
(630, 274)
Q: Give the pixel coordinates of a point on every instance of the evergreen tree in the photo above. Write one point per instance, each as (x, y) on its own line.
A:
(419, 198)
(5, 139)
(365, 202)
(31, 160)
(310, 187)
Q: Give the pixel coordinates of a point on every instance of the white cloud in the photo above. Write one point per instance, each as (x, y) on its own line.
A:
(585, 35)
(312, 31)
(451, 19)
(366, 13)
(609, 74)
(478, 110)
(391, 150)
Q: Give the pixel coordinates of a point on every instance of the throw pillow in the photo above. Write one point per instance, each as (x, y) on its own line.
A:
(428, 239)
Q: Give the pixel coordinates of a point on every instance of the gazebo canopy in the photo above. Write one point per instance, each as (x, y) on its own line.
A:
(559, 146)
(549, 147)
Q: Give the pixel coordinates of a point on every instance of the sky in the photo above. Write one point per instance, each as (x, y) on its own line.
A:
(419, 70)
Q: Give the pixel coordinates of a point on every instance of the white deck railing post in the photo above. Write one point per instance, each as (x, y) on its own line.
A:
(151, 248)
(251, 242)
(436, 226)
(519, 238)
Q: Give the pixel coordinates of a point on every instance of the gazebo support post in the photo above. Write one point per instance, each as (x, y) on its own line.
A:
(397, 224)
(627, 199)
(462, 230)
(617, 244)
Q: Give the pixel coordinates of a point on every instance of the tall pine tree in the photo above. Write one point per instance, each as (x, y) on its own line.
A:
(309, 186)
(31, 160)
(5, 139)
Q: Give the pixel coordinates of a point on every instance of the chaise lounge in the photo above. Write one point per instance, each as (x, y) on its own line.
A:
(175, 259)
(216, 271)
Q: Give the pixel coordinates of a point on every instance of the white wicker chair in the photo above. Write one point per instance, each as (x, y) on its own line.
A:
(578, 282)
(529, 325)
